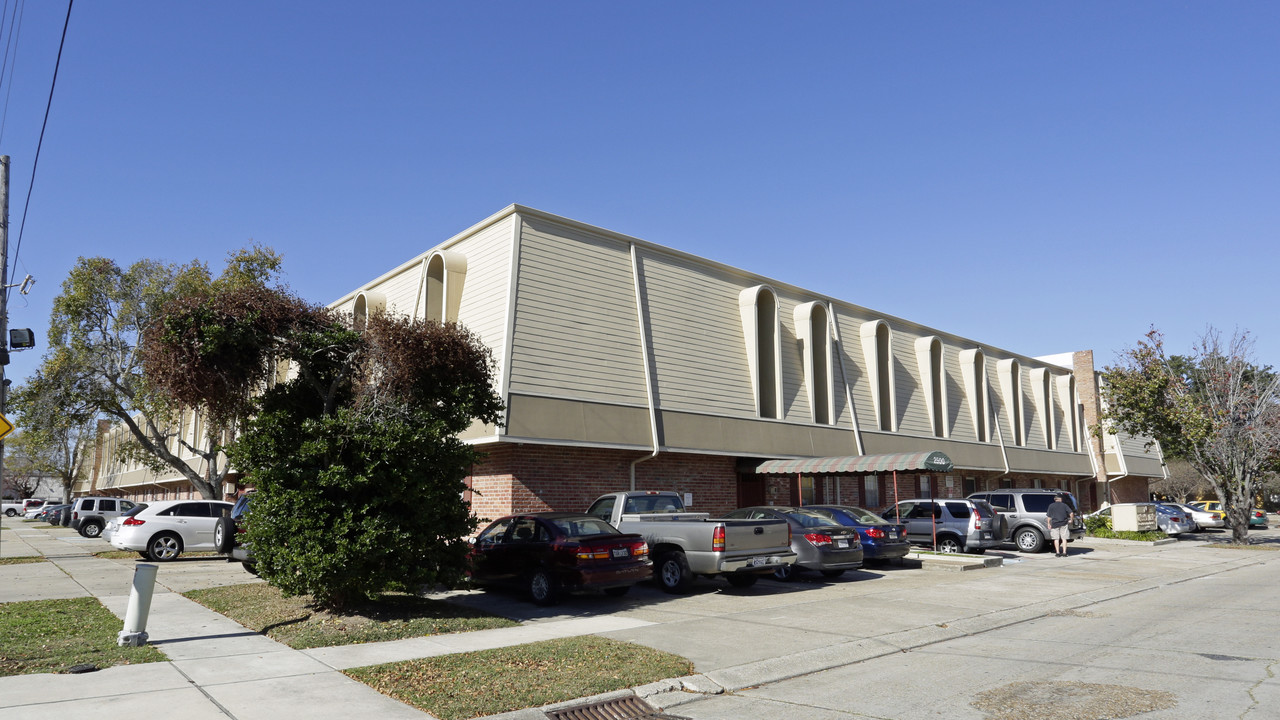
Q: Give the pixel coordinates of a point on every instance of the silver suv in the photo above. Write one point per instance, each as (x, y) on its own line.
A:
(89, 515)
(1024, 513)
(968, 526)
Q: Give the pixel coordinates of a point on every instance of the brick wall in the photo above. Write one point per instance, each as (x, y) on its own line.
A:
(530, 478)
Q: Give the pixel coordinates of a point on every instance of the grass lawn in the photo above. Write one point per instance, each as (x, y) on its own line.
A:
(296, 623)
(22, 560)
(43, 636)
(468, 685)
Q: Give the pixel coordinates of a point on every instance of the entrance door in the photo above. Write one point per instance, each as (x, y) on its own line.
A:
(751, 490)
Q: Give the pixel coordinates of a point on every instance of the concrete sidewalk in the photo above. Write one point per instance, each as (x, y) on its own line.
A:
(736, 638)
(217, 668)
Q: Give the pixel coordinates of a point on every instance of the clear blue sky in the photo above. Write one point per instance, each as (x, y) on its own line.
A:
(1040, 177)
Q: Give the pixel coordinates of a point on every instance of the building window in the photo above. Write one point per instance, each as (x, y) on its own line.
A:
(871, 491)
(877, 350)
(815, 338)
(929, 360)
(973, 369)
(367, 303)
(926, 486)
(442, 280)
(760, 328)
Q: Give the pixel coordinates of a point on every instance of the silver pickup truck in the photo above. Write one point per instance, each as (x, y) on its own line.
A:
(687, 544)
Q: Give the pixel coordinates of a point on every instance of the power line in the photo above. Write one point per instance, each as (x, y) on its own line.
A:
(19, 9)
(34, 163)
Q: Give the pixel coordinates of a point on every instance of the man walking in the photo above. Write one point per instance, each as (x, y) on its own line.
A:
(1059, 515)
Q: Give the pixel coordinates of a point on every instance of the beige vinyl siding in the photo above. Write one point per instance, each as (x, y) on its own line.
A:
(575, 333)
(850, 321)
(959, 419)
(401, 290)
(913, 412)
(795, 401)
(1035, 429)
(484, 293)
(699, 353)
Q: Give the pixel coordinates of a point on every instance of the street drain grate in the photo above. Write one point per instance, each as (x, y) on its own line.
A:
(628, 708)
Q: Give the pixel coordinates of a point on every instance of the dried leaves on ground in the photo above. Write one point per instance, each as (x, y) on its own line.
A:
(296, 622)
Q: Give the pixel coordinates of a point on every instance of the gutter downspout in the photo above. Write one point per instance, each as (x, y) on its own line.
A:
(644, 358)
(1004, 453)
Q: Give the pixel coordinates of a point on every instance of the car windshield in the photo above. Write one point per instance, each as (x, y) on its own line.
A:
(584, 527)
(135, 510)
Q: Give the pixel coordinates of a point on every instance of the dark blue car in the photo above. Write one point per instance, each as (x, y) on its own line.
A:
(881, 539)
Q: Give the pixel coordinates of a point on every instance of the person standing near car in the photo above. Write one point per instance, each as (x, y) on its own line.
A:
(1059, 515)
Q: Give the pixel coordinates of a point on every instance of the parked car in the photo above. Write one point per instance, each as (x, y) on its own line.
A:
(33, 509)
(1022, 511)
(1257, 518)
(820, 544)
(12, 509)
(163, 530)
(1202, 518)
(969, 526)
(89, 515)
(687, 544)
(52, 514)
(550, 553)
(881, 539)
(1173, 520)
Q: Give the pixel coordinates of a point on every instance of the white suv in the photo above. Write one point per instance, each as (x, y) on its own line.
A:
(162, 530)
(89, 515)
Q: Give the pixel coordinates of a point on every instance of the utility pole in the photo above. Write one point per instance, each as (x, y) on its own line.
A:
(4, 290)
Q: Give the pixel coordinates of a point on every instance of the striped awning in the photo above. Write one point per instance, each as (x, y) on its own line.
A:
(858, 464)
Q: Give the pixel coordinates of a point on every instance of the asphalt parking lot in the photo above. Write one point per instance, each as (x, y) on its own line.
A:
(1113, 620)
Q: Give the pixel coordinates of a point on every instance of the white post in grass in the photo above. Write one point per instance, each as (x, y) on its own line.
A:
(134, 633)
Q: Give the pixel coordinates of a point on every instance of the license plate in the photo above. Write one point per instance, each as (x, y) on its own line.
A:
(842, 543)
(621, 552)
(757, 562)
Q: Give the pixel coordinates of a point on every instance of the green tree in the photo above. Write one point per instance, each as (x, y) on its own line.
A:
(96, 326)
(1215, 409)
(353, 451)
(58, 421)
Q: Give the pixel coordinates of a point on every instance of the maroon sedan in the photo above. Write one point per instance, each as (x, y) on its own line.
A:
(551, 553)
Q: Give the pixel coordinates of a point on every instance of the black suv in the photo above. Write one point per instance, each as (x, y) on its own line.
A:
(1024, 512)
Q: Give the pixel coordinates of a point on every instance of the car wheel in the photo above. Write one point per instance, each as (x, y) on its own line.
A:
(673, 573)
(164, 547)
(224, 535)
(785, 573)
(949, 545)
(91, 529)
(1029, 540)
(617, 591)
(742, 580)
(10, 512)
(544, 589)
(832, 573)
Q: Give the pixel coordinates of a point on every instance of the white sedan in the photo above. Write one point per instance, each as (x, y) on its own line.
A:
(162, 530)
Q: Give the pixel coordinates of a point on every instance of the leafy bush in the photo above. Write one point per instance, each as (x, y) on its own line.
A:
(1100, 526)
(358, 468)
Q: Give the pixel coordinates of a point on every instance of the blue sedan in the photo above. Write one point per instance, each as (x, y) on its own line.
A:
(881, 539)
